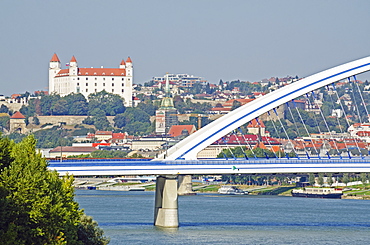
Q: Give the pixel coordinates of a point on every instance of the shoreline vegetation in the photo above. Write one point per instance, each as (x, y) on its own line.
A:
(361, 192)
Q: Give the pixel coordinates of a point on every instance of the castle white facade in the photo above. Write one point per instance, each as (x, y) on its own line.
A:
(91, 80)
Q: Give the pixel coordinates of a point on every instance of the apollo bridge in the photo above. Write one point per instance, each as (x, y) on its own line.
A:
(346, 155)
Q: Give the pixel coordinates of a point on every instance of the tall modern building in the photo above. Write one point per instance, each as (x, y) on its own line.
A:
(91, 80)
(166, 115)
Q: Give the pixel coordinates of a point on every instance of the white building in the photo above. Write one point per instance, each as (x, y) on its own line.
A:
(91, 80)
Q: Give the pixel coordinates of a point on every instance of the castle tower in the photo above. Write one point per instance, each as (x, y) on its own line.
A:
(127, 90)
(54, 68)
(17, 123)
(73, 67)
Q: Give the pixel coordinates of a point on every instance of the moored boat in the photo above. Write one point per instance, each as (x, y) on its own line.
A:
(318, 193)
(231, 190)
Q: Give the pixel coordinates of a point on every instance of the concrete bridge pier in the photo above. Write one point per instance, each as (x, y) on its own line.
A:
(166, 202)
(185, 186)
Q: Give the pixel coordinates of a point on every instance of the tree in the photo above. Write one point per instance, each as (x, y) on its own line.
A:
(311, 179)
(111, 104)
(320, 179)
(345, 178)
(36, 206)
(330, 179)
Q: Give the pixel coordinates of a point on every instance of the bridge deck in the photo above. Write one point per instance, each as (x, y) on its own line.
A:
(110, 167)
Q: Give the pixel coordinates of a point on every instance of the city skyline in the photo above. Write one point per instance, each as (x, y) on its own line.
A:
(243, 40)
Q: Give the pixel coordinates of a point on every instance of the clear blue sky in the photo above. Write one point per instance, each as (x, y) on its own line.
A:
(228, 40)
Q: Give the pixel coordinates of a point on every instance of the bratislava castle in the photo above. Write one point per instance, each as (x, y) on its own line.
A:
(91, 80)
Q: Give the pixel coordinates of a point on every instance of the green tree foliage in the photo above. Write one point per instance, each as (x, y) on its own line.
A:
(4, 109)
(89, 232)
(77, 104)
(134, 121)
(37, 207)
(4, 122)
(111, 104)
(311, 179)
(148, 106)
(320, 179)
(242, 152)
(330, 179)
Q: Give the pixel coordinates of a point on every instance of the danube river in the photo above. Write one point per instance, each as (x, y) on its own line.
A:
(127, 218)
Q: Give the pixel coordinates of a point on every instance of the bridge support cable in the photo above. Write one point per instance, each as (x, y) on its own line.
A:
(326, 125)
(166, 202)
(305, 127)
(362, 99)
(240, 145)
(354, 99)
(296, 127)
(245, 140)
(337, 117)
(346, 119)
(275, 128)
(286, 134)
(267, 140)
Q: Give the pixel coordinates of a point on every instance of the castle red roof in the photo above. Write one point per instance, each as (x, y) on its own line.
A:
(55, 58)
(73, 59)
(94, 72)
(123, 63)
(129, 60)
(17, 115)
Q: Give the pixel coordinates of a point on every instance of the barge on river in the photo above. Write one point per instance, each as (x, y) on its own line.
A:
(318, 193)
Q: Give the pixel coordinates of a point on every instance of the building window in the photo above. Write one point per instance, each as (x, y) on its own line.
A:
(103, 84)
(112, 78)
(123, 79)
(87, 90)
(122, 90)
(87, 84)
(103, 78)
(95, 78)
(78, 84)
(112, 90)
(112, 84)
(123, 84)
(78, 78)
(96, 90)
(96, 84)
(87, 78)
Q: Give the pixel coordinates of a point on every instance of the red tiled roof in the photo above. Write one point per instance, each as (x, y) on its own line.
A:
(176, 130)
(103, 133)
(256, 124)
(128, 60)
(229, 103)
(17, 115)
(86, 149)
(123, 63)
(94, 72)
(118, 136)
(73, 59)
(55, 58)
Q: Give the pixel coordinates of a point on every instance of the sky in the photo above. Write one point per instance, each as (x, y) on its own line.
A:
(229, 40)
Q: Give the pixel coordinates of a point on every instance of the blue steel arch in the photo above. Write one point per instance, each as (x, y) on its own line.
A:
(189, 147)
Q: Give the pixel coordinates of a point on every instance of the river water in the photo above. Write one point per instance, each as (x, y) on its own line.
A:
(127, 218)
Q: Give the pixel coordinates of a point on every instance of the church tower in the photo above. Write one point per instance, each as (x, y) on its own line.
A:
(54, 68)
(127, 89)
(166, 115)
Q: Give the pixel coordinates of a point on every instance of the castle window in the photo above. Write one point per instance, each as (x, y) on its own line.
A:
(103, 84)
(87, 84)
(112, 84)
(103, 78)
(122, 90)
(112, 90)
(95, 78)
(96, 90)
(123, 84)
(78, 78)
(96, 84)
(87, 78)
(87, 90)
(112, 78)
(103, 73)
(78, 84)
(123, 79)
